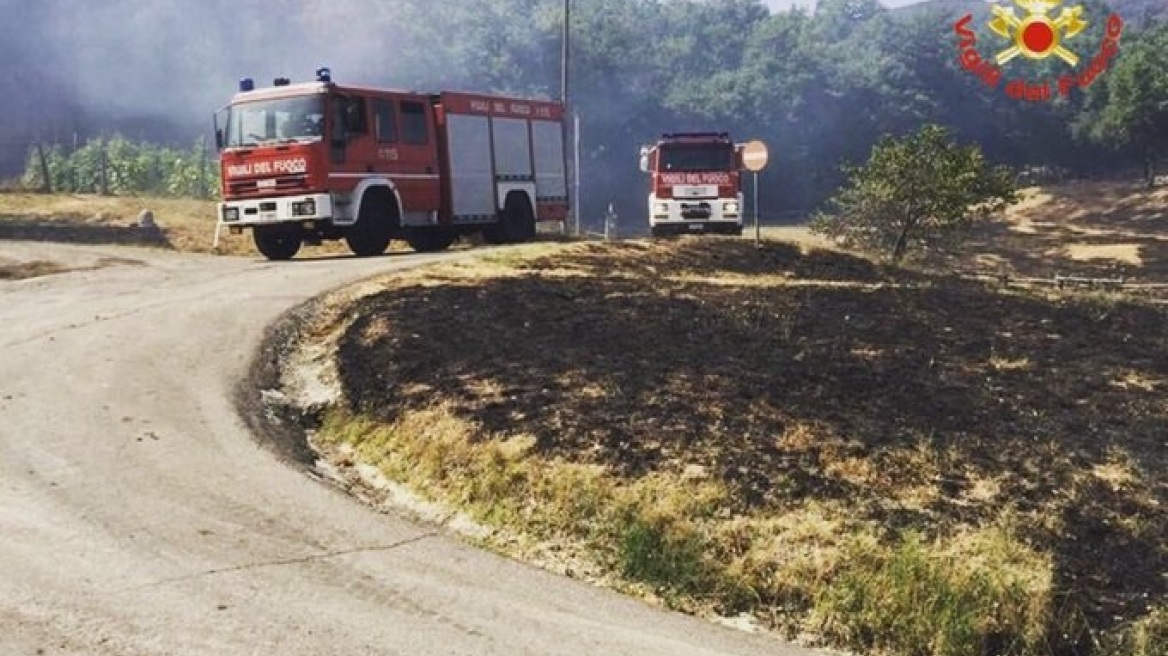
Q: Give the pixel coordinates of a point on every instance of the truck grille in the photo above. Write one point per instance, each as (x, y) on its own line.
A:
(695, 210)
(264, 186)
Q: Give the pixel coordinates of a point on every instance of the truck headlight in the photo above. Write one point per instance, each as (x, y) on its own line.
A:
(663, 208)
(730, 208)
(230, 214)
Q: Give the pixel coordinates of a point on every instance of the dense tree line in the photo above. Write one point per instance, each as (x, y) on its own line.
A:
(821, 88)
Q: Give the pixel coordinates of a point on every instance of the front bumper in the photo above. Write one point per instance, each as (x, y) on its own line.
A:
(697, 228)
(692, 214)
(285, 209)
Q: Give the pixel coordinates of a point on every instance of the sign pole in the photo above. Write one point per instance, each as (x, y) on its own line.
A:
(754, 158)
(757, 229)
(576, 170)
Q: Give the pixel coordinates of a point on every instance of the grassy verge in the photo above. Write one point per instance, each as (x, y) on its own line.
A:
(887, 461)
(182, 224)
(806, 571)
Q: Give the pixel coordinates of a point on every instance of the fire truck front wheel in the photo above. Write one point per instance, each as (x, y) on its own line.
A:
(277, 242)
(375, 223)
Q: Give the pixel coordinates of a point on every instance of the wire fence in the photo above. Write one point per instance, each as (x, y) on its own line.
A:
(1064, 282)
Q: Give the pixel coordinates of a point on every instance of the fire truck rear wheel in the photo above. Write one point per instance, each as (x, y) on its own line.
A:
(429, 240)
(516, 222)
(277, 242)
(525, 219)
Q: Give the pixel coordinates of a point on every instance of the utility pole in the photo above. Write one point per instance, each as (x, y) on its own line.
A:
(571, 119)
(564, 51)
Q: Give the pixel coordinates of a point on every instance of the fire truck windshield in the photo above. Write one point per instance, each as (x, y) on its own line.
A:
(257, 122)
(717, 157)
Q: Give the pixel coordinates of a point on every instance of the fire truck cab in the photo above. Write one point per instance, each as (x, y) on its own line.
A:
(695, 184)
(302, 163)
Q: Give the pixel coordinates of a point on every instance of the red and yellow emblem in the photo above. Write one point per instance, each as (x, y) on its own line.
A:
(1037, 35)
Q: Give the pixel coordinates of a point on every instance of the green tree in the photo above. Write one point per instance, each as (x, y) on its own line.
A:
(912, 191)
(1134, 113)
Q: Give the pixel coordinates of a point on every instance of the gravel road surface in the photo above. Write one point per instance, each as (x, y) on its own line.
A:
(139, 517)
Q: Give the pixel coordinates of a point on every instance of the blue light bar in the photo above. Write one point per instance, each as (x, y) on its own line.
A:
(246, 84)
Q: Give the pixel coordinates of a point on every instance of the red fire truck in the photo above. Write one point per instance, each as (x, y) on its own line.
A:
(695, 184)
(306, 162)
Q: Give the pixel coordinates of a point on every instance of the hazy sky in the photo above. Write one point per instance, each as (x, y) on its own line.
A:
(785, 4)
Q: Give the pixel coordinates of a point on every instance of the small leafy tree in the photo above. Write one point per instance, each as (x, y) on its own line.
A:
(912, 191)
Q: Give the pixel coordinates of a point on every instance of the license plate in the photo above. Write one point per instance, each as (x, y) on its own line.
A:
(697, 226)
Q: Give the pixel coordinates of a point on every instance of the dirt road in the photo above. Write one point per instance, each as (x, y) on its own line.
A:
(138, 516)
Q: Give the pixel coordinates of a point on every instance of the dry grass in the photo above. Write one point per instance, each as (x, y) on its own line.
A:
(889, 460)
(1100, 229)
(83, 218)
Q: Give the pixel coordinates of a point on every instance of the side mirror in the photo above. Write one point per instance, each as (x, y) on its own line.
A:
(645, 159)
(219, 122)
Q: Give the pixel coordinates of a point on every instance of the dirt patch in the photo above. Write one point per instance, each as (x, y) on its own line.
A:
(11, 269)
(23, 270)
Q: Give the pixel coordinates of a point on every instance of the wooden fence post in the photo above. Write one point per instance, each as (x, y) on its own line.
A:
(46, 179)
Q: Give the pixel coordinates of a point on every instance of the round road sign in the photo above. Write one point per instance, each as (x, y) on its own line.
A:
(754, 155)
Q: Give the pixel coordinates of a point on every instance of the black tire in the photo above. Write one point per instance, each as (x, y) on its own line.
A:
(430, 240)
(277, 242)
(516, 222)
(374, 228)
(498, 232)
(525, 218)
